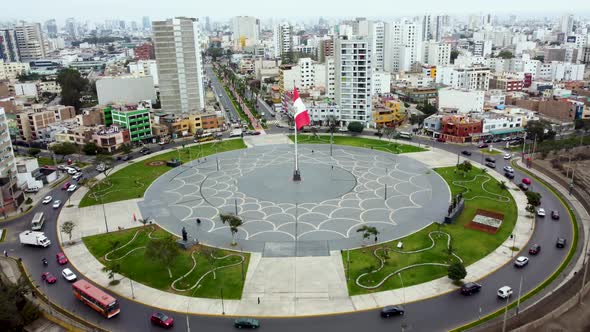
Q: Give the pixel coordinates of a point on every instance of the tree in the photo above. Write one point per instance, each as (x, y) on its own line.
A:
(533, 198)
(583, 124)
(63, 149)
(72, 86)
(234, 223)
(505, 54)
(368, 231)
(34, 151)
(15, 310)
(126, 148)
(111, 269)
(355, 127)
(530, 209)
(417, 119)
(67, 227)
(465, 167)
(426, 108)
(503, 185)
(163, 251)
(457, 271)
(90, 149)
(541, 129)
(454, 55)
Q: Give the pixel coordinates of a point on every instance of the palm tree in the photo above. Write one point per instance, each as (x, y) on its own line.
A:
(234, 223)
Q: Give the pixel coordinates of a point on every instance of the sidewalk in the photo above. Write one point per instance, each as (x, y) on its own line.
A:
(300, 286)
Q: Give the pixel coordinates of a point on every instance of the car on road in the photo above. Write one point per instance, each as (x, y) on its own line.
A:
(77, 176)
(71, 171)
(527, 181)
(541, 212)
(488, 141)
(61, 258)
(72, 188)
(68, 274)
(555, 215)
(490, 164)
(47, 200)
(32, 190)
(56, 204)
(483, 145)
(470, 288)
(523, 187)
(535, 249)
(508, 169)
(504, 292)
(466, 153)
(509, 175)
(490, 159)
(66, 186)
(343, 130)
(521, 261)
(125, 157)
(560, 242)
(248, 323)
(48, 278)
(507, 156)
(146, 152)
(162, 320)
(162, 143)
(392, 310)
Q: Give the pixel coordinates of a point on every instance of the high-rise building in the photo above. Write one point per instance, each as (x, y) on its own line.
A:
(375, 31)
(51, 27)
(30, 41)
(10, 194)
(283, 39)
(403, 46)
(207, 24)
(146, 23)
(180, 67)
(566, 24)
(353, 69)
(8, 46)
(245, 28)
(437, 54)
(71, 27)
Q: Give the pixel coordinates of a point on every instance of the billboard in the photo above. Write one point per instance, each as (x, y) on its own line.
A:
(571, 39)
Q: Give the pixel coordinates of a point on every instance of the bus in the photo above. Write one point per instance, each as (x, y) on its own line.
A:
(405, 134)
(38, 221)
(205, 137)
(96, 299)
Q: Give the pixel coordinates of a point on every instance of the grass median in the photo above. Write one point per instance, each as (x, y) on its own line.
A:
(361, 142)
(132, 181)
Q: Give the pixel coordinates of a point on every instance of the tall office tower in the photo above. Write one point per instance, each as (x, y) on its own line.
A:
(403, 45)
(8, 46)
(180, 66)
(353, 70)
(29, 40)
(566, 24)
(71, 27)
(51, 27)
(283, 39)
(146, 23)
(247, 27)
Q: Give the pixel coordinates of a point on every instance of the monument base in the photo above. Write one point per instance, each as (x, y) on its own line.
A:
(186, 245)
(296, 176)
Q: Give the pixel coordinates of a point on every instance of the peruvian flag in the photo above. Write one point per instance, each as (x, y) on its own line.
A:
(301, 114)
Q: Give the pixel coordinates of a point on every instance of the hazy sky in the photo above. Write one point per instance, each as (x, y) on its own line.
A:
(39, 10)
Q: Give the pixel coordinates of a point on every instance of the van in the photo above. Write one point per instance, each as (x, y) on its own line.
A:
(32, 190)
(38, 221)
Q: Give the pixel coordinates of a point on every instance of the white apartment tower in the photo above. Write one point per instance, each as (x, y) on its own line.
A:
(566, 23)
(375, 31)
(180, 67)
(437, 54)
(432, 27)
(353, 71)
(331, 77)
(247, 27)
(403, 45)
(283, 39)
(29, 40)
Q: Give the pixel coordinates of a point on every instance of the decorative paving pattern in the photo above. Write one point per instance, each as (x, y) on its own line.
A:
(338, 194)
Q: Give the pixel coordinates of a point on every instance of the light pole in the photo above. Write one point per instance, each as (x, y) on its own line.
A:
(403, 289)
(513, 237)
(132, 292)
(222, 305)
(505, 314)
(519, 290)
(104, 213)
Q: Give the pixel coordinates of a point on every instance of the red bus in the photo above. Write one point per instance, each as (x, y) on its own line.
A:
(98, 300)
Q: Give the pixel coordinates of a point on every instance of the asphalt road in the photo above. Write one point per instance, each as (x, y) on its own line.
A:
(218, 89)
(435, 314)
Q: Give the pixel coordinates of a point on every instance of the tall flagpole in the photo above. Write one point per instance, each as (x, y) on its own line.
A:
(296, 174)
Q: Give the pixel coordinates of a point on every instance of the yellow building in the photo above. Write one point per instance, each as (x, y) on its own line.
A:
(388, 112)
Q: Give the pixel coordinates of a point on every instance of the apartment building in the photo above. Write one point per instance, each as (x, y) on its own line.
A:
(11, 197)
(470, 78)
(8, 46)
(32, 122)
(134, 118)
(11, 70)
(29, 39)
(143, 68)
(282, 39)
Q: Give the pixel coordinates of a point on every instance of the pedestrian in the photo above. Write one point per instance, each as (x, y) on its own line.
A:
(5, 253)
(258, 300)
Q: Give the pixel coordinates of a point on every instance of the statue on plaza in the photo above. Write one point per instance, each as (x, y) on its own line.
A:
(184, 235)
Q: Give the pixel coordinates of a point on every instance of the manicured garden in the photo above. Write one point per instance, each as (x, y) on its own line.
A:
(361, 142)
(132, 261)
(481, 191)
(132, 181)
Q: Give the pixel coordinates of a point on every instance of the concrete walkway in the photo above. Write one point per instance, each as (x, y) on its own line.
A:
(285, 286)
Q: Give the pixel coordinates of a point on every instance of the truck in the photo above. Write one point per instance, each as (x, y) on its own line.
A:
(34, 239)
(236, 133)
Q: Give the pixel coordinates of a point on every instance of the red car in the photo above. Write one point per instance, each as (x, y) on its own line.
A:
(49, 278)
(535, 249)
(66, 186)
(162, 320)
(61, 258)
(526, 181)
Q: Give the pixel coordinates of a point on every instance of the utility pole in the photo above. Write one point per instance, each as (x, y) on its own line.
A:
(505, 314)
(519, 290)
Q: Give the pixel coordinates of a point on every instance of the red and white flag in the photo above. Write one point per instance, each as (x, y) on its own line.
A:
(301, 115)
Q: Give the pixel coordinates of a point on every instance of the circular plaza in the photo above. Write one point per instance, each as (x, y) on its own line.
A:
(341, 190)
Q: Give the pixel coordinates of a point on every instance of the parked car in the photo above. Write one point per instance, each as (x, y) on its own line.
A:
(68, 274)
(66, 186)
(490, 159)
(343, 130)
(249, 323)
(32, 190)
(77, 176)
(470, 288)
(508, 169)
(521, 261)
(162, 320)
(125, 157)
(504, 292)
(507, 156)
(541, 212)
(61, 258)
(509, 175)
(71, 171)
(48, 278)
(483, 145)
(560, 242)
(56, 204)
(72, 188)
(527, 181)
(491, 164)
(535, 249)
(523, 187)
(466, 153)
(146, 152)
(555, 215)
(47, 200)
(392, 310)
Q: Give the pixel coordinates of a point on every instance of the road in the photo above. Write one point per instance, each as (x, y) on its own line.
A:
(231, 113)
(435, 314)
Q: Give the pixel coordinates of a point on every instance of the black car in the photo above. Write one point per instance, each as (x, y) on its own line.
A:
(509, 175)
(560, 242)
(555, 215)
(491, 164)
(465, 152)
(523, 187)
(470, 288)
(392, 310)
(248, 323)
(490, 159)
(483, 145)
(488, 141)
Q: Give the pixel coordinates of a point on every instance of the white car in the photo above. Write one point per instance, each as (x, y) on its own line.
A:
(47, 199)
(541, 212)
(71, 171)
(507, 156)
(56, 204)
(521, 261)
(342, 130)
(77, 176)
(72, 188)
(508, 169)
(68, 274)
(504, 292)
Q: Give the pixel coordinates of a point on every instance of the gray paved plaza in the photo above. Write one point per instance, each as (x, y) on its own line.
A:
(337, 195)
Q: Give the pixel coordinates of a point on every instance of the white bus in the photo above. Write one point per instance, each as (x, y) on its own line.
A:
(405, 134)
(38, 221)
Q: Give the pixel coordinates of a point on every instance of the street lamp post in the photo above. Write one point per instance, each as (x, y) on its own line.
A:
(519, 290)
(403, 289)
(222, 305)
(132, 292)
(505, 315)
(513, 237)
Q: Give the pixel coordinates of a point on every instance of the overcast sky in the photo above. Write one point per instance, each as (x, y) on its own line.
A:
(40, 10)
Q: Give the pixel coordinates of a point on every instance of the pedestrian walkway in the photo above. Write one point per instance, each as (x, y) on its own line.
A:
(279, 286)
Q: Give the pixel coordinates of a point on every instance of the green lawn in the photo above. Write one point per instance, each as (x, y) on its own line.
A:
(141, 269)
(470, 245)
(362, 142)
(132, 181)
(491, 153)
(45, 161)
